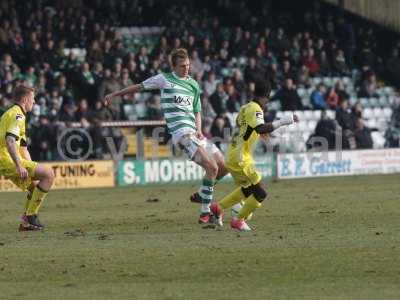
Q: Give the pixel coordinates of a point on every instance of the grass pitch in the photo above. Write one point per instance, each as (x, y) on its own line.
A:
(331, 238)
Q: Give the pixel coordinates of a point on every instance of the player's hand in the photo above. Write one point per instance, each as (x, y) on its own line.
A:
(107, 98)
(296, 118)
(199, 135)
(22, 172)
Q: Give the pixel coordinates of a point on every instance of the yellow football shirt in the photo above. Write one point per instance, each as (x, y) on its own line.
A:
(240, 149)
(12, 123)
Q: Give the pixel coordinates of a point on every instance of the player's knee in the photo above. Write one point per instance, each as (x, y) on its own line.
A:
(212, 168)
(247, 191)
(259, 193)
(50, 174)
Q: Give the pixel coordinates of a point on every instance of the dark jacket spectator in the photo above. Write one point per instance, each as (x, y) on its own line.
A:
(288, 96)
(363, 136)
(219, 99)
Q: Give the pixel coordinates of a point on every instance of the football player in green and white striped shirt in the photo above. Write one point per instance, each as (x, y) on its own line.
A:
(181, 105)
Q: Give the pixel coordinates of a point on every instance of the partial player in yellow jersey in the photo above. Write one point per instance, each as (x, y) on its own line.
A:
(239, 159)
(15, 161)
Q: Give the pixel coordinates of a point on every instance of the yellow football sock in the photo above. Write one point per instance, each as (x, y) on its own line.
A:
(249, 206)
(36, 200)
(235, 197)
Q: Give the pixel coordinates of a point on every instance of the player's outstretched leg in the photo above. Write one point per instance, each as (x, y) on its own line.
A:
(222, 171)
(45, 178)
(253, 201)
(207, 188)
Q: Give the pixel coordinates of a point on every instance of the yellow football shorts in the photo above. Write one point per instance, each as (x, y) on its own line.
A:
(8, 170)
(244, 174)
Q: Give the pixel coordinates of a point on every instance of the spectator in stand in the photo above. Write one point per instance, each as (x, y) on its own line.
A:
(332, 98)
(369, 86)
(219, 99)
(86, 82)
(310, 62)
(207, 111)
(210, 84)
(346, 122)
(154, 108)
(233, 102)
(325, 68)
(288, 96)
(111, 84)
(220, 129)
(287, 70)
(317, 97)
(326, 128)
(67, 115)
(362, 135)
(340, 67)
(253, 72)
(44, 135)
(393, 66)
(303, 76)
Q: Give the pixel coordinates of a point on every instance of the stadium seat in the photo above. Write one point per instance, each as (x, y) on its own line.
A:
(364, 102)
(383, 101)
(389, 91)
(387, 112)
(353, 100)
(130, 112)
(373, 102)
(302, 126)
(377, 112)
(307, 115)
(302, 92)
(141, 110)
(378, 139)
(367, 113)
(371, 123)
(328, 81)
(311, 125)
(279, 114)
(347, 80)
(316, 115)
(274, 105)
(331, 114)
(316, 80)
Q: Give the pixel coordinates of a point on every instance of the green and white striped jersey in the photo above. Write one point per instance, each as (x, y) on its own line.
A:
(180, 100)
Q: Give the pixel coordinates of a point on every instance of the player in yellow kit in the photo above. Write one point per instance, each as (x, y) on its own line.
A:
(239, 159)
(15, 161)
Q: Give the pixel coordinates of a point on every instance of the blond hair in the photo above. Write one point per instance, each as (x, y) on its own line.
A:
(180, 53)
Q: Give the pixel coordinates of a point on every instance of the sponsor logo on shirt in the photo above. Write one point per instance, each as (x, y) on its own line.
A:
(259, 115)
(182, 100)
(19, 117)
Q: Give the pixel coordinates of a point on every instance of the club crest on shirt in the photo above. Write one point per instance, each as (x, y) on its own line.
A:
(19, 117)
(259, 115)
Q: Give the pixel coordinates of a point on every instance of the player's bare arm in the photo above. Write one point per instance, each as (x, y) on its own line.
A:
(269, 127)
(12, 150)
(128, 90)
(199, 132)
(25, 153)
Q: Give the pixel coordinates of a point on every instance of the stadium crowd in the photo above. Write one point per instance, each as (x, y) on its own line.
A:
(228, 51)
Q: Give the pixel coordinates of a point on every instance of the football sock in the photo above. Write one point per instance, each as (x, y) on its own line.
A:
(206, 194)
(249, 206)
(234, 197)
(28, 199)
(36, 200)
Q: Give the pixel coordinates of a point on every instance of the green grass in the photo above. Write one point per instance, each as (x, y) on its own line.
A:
(331, 238)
